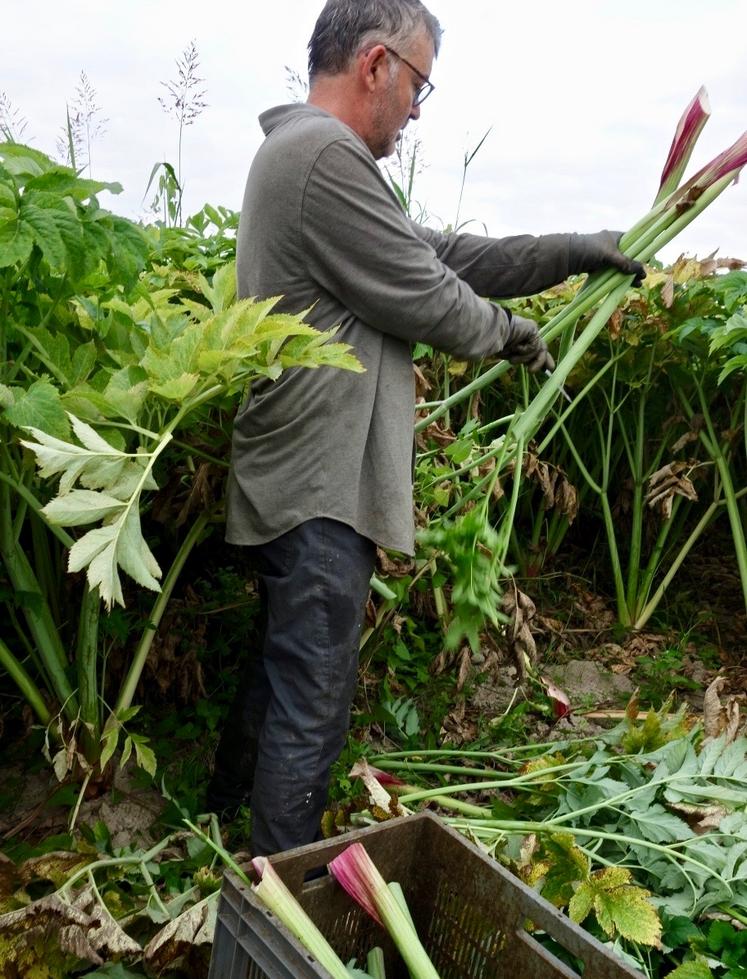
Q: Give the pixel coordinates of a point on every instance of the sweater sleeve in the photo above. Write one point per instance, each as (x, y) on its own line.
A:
(360, 247)
(520, 265)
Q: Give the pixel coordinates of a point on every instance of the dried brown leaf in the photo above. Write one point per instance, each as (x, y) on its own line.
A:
(712, 721)
(50, 924)
(378, 796)
(521, 643)
(396, 567)
(465, 665)
(183, 942)
(104, 933)
(55, 867)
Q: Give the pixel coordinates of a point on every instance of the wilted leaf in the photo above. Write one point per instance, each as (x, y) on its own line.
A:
(55, 867)
(184, 940)
(668, 482)
(520, 639)
(47, 931)
(377, 794)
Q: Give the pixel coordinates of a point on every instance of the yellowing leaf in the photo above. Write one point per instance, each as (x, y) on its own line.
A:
(621, 908)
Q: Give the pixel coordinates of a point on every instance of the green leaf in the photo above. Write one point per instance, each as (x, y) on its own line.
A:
(16, 242)
(692, 970)
(146, 759)
(79, 507)
(62, 182)
(39, 407)
(126, 752)
(46, 235)
(567, 866)
(109, 738)
(581, 903)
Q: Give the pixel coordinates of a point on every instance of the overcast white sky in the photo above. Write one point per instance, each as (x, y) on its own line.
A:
(581, 97)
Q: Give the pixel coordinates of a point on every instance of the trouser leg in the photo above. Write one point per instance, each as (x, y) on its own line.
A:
(316, 579)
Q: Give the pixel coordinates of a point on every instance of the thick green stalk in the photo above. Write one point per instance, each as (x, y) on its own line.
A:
(46, 564)
(38, 616)
(25, 684)
(86, 659)
(642, 242)
(159, 607)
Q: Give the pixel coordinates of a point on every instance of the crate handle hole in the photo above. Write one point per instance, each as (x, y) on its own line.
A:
(315, 873)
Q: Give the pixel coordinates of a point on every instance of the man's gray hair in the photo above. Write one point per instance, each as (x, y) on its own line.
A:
(345, 27)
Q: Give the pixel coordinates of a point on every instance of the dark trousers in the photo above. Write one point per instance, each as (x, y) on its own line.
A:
(291, 714)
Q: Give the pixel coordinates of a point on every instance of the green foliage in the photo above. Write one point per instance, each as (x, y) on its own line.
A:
(123, 355)
(470, 548)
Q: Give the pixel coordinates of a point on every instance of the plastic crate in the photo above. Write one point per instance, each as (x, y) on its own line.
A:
(470, 913)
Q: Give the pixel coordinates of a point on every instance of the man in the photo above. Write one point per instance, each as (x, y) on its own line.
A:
(321, 460)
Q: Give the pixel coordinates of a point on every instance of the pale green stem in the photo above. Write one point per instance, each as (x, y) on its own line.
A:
(551, 826)
(105, 864)
(159, 607)
(636, 531)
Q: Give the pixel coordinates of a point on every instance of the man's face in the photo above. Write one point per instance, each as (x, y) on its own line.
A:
(394, 106)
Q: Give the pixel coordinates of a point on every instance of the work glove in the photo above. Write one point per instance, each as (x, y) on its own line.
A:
(590, 253)
(526, 346)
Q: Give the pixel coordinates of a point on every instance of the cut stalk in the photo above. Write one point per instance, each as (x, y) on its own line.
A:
(357, 874)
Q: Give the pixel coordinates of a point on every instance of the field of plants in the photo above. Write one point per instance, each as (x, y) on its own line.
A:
(558, 673)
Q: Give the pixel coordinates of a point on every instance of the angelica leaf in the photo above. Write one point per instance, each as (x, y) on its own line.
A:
(38, 406)
(621, 908)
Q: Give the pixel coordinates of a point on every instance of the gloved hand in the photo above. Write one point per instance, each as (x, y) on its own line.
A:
(590, 253)
(526, 346)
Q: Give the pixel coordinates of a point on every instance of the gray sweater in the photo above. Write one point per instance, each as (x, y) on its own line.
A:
(321, 228)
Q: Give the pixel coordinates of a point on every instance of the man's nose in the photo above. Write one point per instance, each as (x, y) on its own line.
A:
(415, 112)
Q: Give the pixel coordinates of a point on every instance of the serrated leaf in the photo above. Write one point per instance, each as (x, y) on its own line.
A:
(126, 752)
(80, 507)
(146, 759)
(39, 407)
(46, 235)
(620, 907)
(177, 388)
(133, 554)
(16, 242)
(692, 970)
(581, 903)
(109, 739)
(90, 438)
(656, 824)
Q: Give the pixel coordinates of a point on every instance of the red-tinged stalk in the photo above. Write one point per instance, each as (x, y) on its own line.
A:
(726, 164)
(357, 874)
(276, 896)
(686, 135)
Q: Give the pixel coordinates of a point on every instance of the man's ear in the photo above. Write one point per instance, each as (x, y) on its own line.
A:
(371, 64)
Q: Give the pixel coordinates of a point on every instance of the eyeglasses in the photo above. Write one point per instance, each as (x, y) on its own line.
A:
(425, 89)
